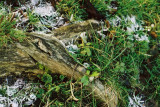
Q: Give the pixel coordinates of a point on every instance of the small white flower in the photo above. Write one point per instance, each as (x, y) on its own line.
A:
(86, 65)
(32, 96)
(75, 47)
(72, 48)
(148, 28)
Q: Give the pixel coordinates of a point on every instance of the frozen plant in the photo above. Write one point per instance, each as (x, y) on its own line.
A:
(136, 101)
(72, 48)
(45, 10)
(142, 38)
(18, 94)
(48, 16)
(132, 27)
(35, 2)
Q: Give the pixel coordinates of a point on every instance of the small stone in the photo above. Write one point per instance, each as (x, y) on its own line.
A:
(91, 79)
(152, 25)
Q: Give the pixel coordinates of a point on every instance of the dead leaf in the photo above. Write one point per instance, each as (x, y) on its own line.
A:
(154, 34)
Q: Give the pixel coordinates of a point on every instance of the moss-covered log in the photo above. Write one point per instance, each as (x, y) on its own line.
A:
(21, 58)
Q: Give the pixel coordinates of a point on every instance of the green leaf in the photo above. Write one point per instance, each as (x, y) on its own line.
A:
(88, 44)
(83, 52)
(122, 64)
(40, 93)
(57, 88)
(98, 68)
(62, 77)
(85, 80)
(117, 63)
(88, 51)
(41, 66)
(95, 74)
(116, 69)
(46, 78)
(81, 45)
(87, 72)
(122, 69)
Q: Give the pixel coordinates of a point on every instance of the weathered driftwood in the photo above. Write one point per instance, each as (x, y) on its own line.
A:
(48, 50)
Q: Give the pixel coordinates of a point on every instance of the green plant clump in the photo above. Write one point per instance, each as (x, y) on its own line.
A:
(8, 32)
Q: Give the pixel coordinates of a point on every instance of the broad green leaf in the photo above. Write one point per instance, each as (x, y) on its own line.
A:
(88, 44)
(41, 67)
(95, 74)
(57, 88)
(83, 52)
(47, 78)
(81, 45)
(122, 69)
(85, 80)
(87, 72)
(88, 51)
(122, 64)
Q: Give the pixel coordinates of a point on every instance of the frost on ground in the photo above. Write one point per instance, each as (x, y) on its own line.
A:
(18, 94)
(134, 29)
(38, 16)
